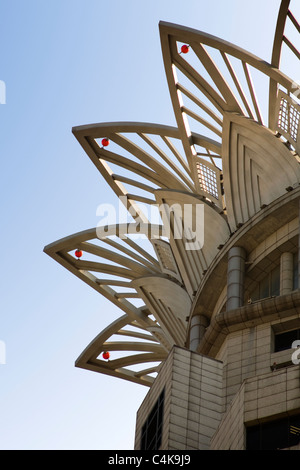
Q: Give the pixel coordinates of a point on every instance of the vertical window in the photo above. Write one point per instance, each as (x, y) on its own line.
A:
(269, 286)
(295, 272)
(152, 429)
(275, 282)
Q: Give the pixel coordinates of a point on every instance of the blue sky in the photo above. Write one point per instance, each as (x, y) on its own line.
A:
(67, 63)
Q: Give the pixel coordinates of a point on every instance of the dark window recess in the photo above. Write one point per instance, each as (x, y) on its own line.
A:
(274, 435)
(285, 340)
(152, 429)
(269, 286)
(295, 272)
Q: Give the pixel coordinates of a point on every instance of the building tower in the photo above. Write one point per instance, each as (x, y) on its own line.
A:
(210, 294)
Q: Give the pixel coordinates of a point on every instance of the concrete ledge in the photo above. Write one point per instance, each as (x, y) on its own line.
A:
(263, 311)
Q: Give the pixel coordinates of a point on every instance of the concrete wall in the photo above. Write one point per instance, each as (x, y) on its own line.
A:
(209, 402)
(258, 398)
(193, 401)
(249, 353)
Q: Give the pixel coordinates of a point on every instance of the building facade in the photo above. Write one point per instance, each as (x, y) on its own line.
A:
(239, 387)
(206, 271)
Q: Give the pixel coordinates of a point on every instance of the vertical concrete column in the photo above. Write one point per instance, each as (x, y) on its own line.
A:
(235, 277)
(286, 273)
(198, 326)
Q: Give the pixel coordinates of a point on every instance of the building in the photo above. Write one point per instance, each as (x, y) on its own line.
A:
(210, 294)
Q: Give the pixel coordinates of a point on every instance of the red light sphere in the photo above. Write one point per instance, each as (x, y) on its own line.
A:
(185, 49)
(105, 142)
(106, 355)
(78, 253)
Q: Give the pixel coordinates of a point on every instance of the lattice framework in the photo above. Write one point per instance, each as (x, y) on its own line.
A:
(220, 156)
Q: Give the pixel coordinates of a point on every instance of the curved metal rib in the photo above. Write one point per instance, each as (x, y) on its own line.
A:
(127, 273)
(124, 367)
(144, 157)
(281, 39)
(213, 89)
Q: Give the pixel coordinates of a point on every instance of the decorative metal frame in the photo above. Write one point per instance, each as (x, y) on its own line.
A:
(220, 157)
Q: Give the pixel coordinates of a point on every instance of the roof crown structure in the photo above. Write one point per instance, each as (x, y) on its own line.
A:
(202, 185)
